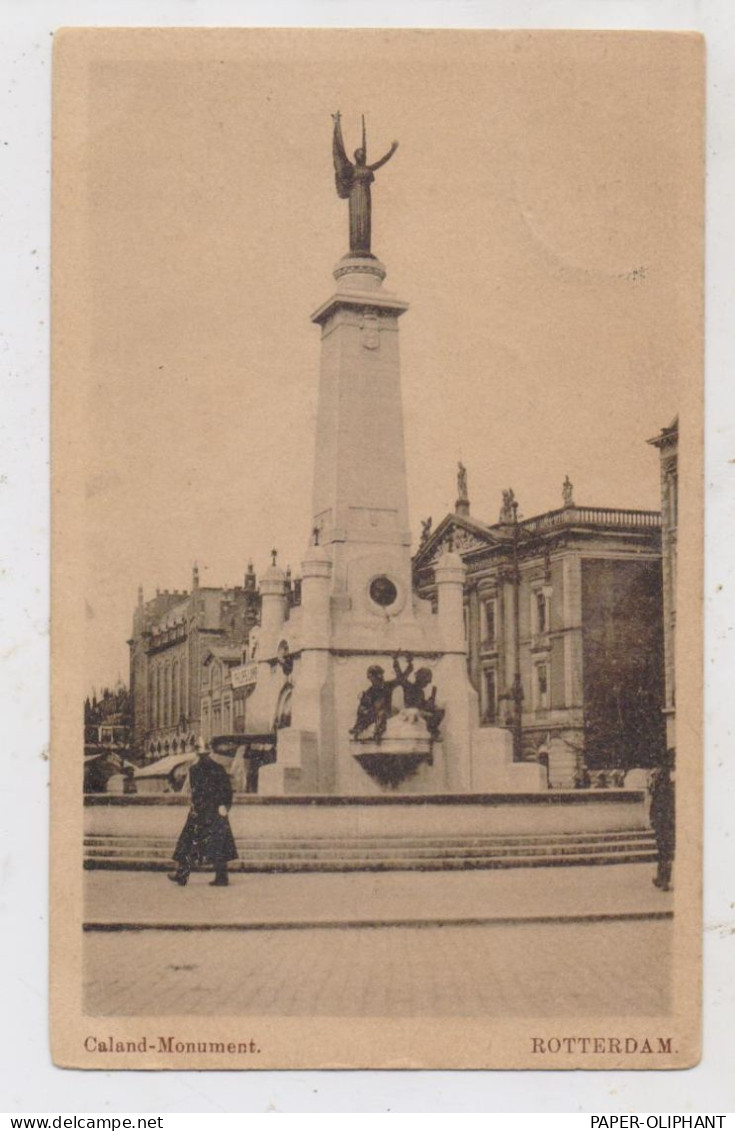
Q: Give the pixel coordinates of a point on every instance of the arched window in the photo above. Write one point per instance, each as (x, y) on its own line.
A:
(283, 707)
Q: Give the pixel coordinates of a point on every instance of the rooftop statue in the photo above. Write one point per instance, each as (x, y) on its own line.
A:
(507, 509)
(353, 183)
(462, 482)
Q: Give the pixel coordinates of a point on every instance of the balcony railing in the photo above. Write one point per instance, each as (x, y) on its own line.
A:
(609, 517)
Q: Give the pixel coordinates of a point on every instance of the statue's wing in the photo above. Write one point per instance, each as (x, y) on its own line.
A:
(343, 181)
(342, 177)
(342, 165)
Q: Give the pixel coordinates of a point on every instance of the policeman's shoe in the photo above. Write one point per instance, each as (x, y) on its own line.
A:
(220, 881)
(177, 878)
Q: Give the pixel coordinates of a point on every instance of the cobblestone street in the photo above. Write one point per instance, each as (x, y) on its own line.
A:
(535, 970)
(470, 952)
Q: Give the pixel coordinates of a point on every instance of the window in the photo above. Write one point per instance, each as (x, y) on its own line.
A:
(488, 622)
(169, 697)
(542, 687)
(176, 694)
(182, 689)
(540, 612)
(490, 696)
(159, 697)
(152, 700)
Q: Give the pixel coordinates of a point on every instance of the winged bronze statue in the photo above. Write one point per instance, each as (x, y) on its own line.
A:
(353, 181)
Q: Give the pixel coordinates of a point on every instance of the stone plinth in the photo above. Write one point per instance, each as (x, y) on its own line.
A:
(493, 768)
(389, 814)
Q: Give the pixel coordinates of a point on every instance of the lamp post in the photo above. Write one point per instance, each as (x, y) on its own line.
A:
(517, 689)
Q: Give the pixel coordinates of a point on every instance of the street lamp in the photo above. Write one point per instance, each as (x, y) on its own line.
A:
(516, 694)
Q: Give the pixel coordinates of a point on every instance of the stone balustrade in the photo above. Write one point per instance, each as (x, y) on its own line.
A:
(609, 517)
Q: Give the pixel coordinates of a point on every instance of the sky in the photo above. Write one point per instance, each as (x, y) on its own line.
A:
(540, 217)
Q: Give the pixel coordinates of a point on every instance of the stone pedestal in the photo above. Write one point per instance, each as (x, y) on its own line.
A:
(493, 768)
(563, 764)
(296, 767)
(358, 608)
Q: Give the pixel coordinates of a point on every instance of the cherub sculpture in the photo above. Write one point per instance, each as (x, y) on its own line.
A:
(374, 708)
(415, 693)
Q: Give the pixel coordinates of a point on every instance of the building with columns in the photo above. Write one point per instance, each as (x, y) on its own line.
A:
(173, 635)
(563, 620)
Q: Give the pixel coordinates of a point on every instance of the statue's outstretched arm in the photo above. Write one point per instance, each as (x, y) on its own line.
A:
(383, 160)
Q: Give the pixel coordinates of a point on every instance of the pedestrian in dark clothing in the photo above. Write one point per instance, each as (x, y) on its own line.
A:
(206, 836)
(663, 819)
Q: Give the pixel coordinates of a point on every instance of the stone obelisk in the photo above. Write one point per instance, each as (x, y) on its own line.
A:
(359, 502)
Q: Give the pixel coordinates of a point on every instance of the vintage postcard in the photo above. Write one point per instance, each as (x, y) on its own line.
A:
(377, 668)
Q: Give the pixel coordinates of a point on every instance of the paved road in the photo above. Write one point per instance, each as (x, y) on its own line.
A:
(491, 968)
(500, 971)
(147, 898)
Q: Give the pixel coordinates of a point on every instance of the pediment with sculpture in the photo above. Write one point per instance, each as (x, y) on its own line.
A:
(453, 533)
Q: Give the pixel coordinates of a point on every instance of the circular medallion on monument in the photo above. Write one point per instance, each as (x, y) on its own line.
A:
(383, 591)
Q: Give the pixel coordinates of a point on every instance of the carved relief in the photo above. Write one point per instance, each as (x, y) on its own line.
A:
(463, 540)
(457, 540)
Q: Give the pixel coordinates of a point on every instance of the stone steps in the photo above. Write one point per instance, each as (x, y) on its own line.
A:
(402, 840)
(388, 853)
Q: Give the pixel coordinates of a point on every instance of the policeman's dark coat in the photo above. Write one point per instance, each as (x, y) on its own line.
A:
(663, 812)
(207, 835)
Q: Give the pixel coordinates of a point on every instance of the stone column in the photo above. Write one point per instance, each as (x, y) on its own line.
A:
(309, 742)
(474, 638)
(316, 575)
(455, 692)
(509, 597)
(272, 611)
(262, 704)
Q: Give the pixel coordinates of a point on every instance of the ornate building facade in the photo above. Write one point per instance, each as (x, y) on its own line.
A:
(667, 443)
(563, 618)
(223, 709)
(173, 634)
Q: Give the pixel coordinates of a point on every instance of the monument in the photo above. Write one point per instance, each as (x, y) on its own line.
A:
(377, 689)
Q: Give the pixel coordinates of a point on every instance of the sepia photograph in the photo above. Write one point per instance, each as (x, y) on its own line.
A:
(377, 461)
